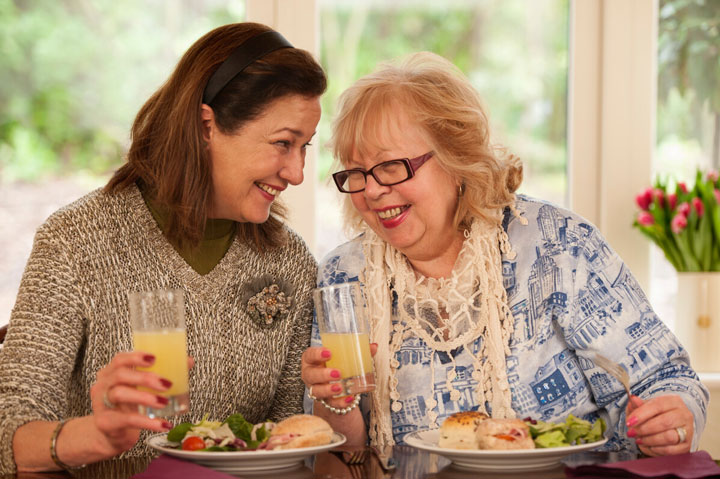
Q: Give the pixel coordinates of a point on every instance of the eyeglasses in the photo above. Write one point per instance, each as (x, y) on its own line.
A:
(387, 173)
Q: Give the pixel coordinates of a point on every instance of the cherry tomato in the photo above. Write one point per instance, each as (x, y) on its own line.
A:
(193, 443)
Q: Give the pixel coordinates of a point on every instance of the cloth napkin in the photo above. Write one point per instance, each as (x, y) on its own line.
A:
(167, 467)
(683, 466)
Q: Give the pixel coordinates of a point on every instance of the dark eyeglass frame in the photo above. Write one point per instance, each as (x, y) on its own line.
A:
(411, 166)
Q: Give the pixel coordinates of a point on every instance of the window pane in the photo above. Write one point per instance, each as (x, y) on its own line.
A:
(688, 111)
(517, 58)
(73, 76)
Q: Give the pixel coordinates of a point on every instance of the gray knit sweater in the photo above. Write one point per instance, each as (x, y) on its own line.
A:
(71, 318)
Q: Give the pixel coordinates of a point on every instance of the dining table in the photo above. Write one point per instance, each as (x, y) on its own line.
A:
(411, 463)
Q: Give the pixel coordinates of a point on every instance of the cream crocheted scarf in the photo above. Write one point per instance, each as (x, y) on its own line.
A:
(445, 314)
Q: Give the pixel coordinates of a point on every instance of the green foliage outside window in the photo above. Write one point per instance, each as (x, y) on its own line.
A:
(75, 72)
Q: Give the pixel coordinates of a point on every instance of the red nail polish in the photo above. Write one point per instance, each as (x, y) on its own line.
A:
(166, 383)
(162, 400)
(349, 399)
(167, 425)
(149, 358)
(632, 433)
(336, 388)
(326, 353)
(638, 441)
(335, 373)
(632, 421)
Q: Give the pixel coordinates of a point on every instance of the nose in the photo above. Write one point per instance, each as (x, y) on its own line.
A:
(292, 171)
(373, 189)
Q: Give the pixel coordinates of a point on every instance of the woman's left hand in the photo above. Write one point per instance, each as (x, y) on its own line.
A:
(660, 426)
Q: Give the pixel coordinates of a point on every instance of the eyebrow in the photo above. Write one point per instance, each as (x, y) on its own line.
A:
(293, 131)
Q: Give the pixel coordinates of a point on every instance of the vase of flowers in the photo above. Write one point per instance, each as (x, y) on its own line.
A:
(684, 222)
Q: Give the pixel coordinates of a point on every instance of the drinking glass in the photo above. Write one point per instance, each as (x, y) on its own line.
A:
(158, 325)
(344, 330)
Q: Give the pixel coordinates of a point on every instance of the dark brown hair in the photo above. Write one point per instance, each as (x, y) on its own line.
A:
(168, 155)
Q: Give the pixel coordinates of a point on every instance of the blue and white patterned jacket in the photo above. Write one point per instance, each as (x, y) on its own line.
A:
(571, 296)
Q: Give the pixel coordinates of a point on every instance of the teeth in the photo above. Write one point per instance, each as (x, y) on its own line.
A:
(270, 190)
(389, 213)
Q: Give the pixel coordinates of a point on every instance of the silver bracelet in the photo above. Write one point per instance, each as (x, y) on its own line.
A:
(343, 411)
(53, 448)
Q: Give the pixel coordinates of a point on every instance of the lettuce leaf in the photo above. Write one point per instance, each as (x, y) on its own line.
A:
(177, 433)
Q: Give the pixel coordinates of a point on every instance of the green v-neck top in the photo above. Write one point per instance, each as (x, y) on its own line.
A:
(219, 235)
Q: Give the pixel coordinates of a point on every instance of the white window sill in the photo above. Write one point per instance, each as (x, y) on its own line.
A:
(710, 380)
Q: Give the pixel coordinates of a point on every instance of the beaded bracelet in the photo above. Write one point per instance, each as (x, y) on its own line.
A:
(53, 448)
(343, 411)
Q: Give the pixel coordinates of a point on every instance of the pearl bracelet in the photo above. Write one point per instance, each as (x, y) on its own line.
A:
(343, 411)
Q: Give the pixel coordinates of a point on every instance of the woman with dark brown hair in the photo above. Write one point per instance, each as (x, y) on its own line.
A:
(194, 209)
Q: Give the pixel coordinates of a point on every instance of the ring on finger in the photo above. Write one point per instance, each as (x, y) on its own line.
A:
(107, 402)
(682, 434)
(310, 394)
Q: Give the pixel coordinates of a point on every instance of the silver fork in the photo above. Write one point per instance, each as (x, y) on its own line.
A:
(357, 456)
(616, 370)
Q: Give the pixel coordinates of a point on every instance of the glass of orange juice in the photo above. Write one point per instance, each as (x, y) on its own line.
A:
(344, 330)
(158, 324)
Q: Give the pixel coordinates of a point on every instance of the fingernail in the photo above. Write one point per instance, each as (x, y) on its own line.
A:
(336, 388)
(638, 441)
(167, 425)
(166, 383)
(162, 399)
(632, 433)
(349, 399)
(149, 358)
(326, 353)
(335, 373)
(632, 421)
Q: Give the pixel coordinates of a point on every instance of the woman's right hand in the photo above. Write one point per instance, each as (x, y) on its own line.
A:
(115, 399)
(317, 376)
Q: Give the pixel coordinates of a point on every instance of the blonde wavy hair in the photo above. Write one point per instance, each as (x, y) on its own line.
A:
(435, 95)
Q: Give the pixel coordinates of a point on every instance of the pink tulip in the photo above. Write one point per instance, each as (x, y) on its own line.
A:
(659, 196)
(645, 219)
(713, 175)
(644, 199)
(672, 201)
(698, 206)
(678, 223)
(684, 209)
(683, 187)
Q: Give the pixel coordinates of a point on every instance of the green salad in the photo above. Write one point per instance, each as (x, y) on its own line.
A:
(572, 432)
(233, 434)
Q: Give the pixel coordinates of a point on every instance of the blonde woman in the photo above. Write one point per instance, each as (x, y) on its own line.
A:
(480, 298)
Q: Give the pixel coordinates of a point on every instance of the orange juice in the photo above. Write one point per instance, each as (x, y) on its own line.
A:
(350, 353)
(168, 347)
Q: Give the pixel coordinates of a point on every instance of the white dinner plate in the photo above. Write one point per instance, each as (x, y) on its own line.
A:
(490, 460)
(244, 461)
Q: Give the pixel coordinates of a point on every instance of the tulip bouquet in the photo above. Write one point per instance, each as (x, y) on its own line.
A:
(684, 222)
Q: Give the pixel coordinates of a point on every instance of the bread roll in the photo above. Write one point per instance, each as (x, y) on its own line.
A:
(302, 430)
(458, 430)
(504, 434)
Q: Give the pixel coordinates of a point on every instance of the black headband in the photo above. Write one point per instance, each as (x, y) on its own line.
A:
(246, 53)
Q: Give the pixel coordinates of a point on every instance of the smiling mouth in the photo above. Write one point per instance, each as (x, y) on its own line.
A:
(268, 189)
(392, 212)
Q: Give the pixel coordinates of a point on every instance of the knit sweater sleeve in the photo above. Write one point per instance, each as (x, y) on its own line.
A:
(288, 399)
(45, 334)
